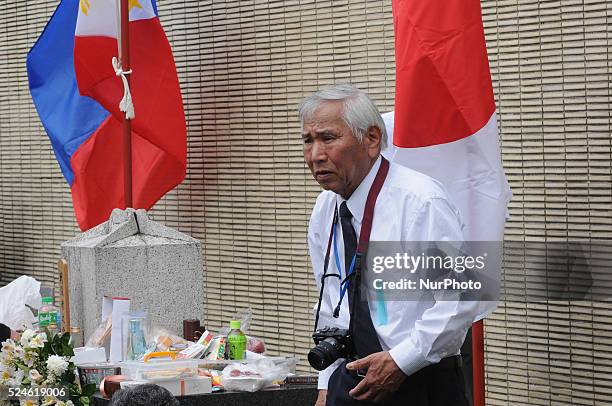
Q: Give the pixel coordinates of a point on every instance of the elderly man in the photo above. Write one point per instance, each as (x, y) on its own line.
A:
(407, 350)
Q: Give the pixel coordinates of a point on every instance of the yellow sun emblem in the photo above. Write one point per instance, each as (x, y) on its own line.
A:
(133, 3)
(85, 5)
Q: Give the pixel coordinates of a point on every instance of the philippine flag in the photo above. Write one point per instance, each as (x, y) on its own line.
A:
(77, 94)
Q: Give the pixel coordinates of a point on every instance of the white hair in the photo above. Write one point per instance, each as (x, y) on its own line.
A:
(358, 110)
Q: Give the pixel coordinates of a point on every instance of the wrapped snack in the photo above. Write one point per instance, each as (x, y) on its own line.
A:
(101, 335)
(215, 377)
(256, 345)
(165, 340)
(198, 349)
(217, 348)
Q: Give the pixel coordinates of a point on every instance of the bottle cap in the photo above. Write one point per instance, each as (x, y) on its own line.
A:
(235, 324)
(47, 299)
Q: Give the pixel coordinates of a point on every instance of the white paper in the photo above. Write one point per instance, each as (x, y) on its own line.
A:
(115, 307)
(86, 355)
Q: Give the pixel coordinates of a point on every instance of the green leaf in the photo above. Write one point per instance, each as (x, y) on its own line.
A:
(89, 389)
(73, 390)
(84, 400)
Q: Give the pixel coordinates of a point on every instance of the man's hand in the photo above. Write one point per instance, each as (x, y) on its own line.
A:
(383, 378)
(322, 398)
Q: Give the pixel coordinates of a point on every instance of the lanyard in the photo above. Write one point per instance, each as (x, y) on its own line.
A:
(344, 284)
(364, 239)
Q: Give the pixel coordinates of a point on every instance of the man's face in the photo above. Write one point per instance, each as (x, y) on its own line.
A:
(336, 159)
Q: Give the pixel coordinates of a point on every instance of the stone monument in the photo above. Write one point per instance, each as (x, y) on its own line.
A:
(159, 269)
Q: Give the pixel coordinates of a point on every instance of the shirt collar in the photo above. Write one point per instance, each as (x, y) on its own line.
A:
(356, 203)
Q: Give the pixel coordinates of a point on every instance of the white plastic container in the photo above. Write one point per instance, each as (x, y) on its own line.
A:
(159, 370)
(184, 387)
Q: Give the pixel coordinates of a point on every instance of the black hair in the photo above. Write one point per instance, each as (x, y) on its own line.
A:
(144, 395)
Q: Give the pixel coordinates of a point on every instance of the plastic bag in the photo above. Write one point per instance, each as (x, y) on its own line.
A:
(101, 335)
(245, 316)
(165, 340)
(14, 297)
(256, 345)
(253, 376)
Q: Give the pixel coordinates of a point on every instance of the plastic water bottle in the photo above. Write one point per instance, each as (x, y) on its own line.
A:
(237, 341)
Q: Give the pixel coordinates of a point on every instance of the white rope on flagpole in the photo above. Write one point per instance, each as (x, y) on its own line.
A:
(126, 104)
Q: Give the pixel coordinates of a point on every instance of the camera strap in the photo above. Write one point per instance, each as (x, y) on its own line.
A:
(364, 239)
(332, 232)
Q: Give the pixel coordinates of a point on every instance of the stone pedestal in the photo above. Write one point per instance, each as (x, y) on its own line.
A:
(158, 268)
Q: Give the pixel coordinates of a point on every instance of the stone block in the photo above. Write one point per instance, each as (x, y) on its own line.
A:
(158, 268)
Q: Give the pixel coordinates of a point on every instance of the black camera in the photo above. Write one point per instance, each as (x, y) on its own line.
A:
(330, 344)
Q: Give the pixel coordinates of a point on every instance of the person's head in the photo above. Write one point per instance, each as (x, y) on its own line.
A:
(144, 395)
(343, 134)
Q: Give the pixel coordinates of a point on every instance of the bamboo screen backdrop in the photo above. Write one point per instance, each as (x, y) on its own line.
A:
(244, 66)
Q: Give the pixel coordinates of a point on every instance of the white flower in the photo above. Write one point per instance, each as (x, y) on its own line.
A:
(28, 402)
(17, 378)
(57, 365)
(34, 375)
(19, 352)
(5, 362)
(50, 381)
(38, 341)
(8, 347)
(6, 375)
(29, 358)
(26, 336)
(7, 359)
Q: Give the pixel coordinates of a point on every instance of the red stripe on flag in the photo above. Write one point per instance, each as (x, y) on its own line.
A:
(98, 174)
(158, 131)
(443, 84)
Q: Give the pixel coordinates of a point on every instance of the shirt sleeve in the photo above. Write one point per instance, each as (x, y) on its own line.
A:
(441, 329)
(326, 374)
(315, 249)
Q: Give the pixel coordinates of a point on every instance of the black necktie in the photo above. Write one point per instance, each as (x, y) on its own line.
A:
(350, 239)
(364, 334)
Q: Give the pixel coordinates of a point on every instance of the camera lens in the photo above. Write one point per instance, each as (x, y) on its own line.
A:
(324, 354)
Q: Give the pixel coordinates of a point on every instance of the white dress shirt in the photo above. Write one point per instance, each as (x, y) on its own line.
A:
(410, 207)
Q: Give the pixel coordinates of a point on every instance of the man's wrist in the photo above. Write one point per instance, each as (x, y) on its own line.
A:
(321, 398)
(409, 362)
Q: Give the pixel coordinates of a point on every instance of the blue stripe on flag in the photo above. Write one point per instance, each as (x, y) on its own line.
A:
(68, 117)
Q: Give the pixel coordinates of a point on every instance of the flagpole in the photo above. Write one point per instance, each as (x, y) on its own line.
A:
(478, 370)
(127, 123)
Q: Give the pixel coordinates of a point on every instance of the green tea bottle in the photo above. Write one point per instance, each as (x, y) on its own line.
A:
(48, 314)
(237, 341)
